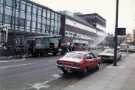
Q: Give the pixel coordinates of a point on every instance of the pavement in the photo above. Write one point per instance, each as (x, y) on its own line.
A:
(120, 77)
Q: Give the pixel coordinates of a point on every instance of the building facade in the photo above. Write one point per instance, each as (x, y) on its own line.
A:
(99, 23)
(78, 31)
(88, 29)
(25, 18)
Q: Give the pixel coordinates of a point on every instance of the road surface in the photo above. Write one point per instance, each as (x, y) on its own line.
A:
(36, 74)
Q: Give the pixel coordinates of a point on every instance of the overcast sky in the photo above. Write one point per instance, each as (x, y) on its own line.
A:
(105, 8)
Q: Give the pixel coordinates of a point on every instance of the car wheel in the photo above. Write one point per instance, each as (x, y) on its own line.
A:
(85, 71)
(64, 71)
(97, 66)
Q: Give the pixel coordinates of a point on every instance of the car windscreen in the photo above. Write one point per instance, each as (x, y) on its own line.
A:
(74, 55)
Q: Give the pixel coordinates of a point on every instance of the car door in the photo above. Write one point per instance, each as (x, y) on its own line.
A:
(90, 60)
(95, 62)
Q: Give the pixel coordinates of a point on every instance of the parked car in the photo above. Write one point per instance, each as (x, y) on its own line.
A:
(131, 48)
(124, 47)
(78, 61)
(108, 55)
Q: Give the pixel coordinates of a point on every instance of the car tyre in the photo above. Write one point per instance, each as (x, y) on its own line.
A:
(64, 71)
(85, 72)
(97, 66)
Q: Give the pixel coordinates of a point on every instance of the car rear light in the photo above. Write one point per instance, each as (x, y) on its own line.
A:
(59, 62)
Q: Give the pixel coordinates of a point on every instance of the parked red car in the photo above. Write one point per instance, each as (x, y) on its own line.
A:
(80, 61)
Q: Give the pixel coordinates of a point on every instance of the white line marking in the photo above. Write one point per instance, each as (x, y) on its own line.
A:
(18, 60)
(56, 76)
(38, 86)
(14, 66)
(116, 67)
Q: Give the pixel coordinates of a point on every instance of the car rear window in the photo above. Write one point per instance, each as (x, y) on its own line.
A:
(74, 55)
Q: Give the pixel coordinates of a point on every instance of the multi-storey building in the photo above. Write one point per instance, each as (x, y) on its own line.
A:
(77, 30)
(99, 23)
(25, 18)
(88, 29)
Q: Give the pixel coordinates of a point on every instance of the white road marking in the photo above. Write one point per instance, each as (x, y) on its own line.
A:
(18, 60)
(56, 76)
(14, 66)
(38, 86)
(117, 67)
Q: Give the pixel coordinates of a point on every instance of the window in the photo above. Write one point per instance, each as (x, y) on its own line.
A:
(7, 19)
(34, 9)
(39, 25)
(0, 18)
(48, 14)
(22, 22)
(1, 1)
(52, 29)
(88, 56)
(23, 5)
(48, 22)
(52, 22)
(39, 11)
(8, 11)
(29, 8)
(39, 19)
(93, 55)
(22, 14)
(43, 28)
(9, 2)
(33, 17)
(28, 16)
(47, 29)
(44, 13)
(52, 15)
(28, 24)
(17, 7)
(1, 9)
(74, 55)
(56, 17)
(33, 25)
(55, 30)
(44, 20)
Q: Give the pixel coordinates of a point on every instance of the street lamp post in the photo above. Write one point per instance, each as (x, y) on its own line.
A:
(14, 24)
(116, 33)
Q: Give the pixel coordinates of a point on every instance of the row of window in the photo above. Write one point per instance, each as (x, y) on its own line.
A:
(30, 8)
(29, 16)
(76, 35)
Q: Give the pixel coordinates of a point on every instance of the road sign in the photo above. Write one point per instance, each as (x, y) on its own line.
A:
(121, 31)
